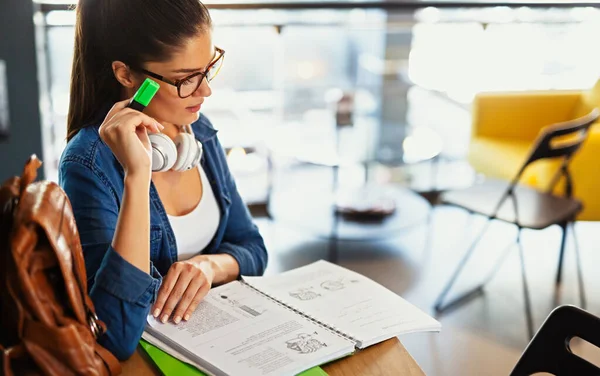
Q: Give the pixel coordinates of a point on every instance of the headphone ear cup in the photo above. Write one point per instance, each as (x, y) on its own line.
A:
(186, 152)
(164, 152)
(198, 156)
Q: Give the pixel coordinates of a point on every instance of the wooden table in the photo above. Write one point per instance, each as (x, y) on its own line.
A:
(387, 358)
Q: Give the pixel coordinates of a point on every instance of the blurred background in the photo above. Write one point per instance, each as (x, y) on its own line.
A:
(357, 107)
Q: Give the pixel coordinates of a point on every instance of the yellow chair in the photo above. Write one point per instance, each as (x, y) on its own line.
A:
(506, 124)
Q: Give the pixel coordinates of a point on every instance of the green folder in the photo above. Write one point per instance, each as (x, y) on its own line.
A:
(170, 366)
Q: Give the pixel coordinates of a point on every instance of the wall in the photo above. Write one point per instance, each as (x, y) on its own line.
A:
(18, 50)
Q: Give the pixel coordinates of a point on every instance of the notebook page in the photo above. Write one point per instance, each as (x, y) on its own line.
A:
(235, 330)
(351, 303)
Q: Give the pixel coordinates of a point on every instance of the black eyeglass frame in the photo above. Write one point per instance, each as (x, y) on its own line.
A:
(178, 83)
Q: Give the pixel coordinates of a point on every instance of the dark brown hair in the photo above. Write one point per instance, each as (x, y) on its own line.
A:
(131, 31)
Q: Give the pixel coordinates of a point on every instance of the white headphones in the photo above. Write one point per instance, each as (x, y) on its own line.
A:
(181, 155)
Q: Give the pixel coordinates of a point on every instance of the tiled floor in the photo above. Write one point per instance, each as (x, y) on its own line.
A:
(484, 337)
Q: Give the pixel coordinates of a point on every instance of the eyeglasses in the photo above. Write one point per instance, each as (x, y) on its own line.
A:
(188, 85)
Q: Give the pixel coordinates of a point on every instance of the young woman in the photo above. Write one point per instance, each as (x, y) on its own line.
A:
(153, 242)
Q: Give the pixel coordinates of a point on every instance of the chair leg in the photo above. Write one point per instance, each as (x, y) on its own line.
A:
(528, 315)
(498, 264)
(578, 262)
(561, 255)
(439, 306)
(333, 250)
(333, 234)
(333, 240)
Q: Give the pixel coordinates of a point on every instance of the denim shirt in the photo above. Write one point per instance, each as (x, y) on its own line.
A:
(123, 294)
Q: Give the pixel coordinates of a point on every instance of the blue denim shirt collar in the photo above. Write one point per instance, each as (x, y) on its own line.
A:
(203, 131)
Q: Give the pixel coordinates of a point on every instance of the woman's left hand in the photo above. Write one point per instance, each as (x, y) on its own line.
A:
(183, 288)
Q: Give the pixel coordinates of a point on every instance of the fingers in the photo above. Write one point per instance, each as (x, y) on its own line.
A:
(200, 294)
(144, 138)
(126, 119)
(182, 290)
(176, 293)
(132, 119)
(190, 296)
(165, 290)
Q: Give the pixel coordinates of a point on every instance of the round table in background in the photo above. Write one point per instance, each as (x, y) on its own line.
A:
(307, 204)
(313, 210)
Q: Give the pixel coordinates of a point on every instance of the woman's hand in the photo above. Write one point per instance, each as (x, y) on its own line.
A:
(125, 131)
(185, 285)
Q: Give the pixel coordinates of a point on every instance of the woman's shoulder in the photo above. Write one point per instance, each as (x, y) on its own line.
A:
(86, 147)
(87, 152)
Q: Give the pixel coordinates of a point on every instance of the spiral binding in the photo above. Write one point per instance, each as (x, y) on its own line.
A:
(311, 318)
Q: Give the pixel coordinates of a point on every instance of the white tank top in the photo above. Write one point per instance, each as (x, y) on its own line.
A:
(195, 230)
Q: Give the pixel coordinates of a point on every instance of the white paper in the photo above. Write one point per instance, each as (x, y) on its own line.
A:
(346, 300)
(237, 331)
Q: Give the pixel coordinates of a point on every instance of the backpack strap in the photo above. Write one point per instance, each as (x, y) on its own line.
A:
(29, 172)
(8, 355)
(113, 365)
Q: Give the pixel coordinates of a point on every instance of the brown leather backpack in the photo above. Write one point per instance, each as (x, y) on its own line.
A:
(48, 324)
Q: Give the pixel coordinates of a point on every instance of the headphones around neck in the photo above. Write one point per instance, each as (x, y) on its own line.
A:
(182, 155)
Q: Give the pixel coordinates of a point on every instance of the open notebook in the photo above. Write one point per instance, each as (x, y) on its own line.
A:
(288, 323)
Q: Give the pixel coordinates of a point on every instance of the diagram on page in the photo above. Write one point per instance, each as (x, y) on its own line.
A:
(306, 293)
(338, 284)
(330, 285)
(305, 343)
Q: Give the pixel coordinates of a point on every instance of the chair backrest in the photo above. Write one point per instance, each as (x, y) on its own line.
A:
(560, 140)
(550, 350)
(588, 100)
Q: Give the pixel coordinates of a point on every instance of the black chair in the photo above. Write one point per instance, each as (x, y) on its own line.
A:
(550, 350)
(530, 208)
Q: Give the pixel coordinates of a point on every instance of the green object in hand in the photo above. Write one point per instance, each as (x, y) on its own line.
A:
(144, 95)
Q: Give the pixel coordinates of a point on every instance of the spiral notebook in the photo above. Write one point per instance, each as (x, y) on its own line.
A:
(288, 323)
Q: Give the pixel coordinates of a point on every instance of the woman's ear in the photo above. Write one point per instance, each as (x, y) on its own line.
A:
(123, 74)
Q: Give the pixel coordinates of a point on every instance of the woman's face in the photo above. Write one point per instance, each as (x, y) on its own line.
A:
(194, 56)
